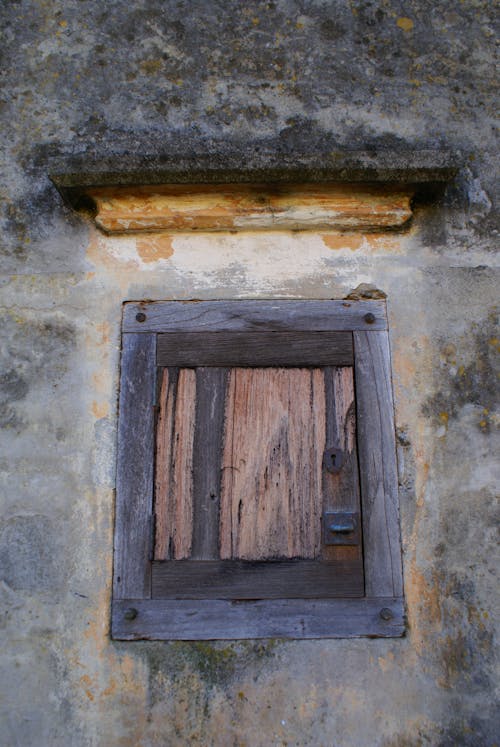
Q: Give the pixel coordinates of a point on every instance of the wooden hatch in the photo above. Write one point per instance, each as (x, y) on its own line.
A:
(242, 486)
(256, 486)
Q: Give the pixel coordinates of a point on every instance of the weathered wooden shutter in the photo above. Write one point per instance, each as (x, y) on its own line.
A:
(242, 507)
(245, 472)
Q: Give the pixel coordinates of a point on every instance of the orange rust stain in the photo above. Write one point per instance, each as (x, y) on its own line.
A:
(109, 673)
(103, 330)
(424, 605)
(153, 248)
(422, 477)
(87, 683)
(111, 689)
(343, 241)
(405, 367)
(100, 410)
(355, 241)
(98, 625)
(411, 359)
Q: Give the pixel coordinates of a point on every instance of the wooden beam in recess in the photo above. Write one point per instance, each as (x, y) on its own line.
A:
(229, 207)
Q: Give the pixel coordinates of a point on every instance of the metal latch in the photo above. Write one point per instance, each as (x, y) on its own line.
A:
(341, 528)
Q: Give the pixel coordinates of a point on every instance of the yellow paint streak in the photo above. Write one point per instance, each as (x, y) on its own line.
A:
(152, 248)
(405, 23)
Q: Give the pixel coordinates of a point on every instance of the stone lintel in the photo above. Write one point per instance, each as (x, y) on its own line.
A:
(244, 207)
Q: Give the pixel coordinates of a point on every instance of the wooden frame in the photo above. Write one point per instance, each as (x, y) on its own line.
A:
(154, 333)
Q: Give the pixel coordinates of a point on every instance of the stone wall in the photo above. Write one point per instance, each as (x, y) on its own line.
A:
(139, 87)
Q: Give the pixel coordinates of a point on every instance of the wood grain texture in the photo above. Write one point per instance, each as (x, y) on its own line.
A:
(253, 316)
(341, 489)
(222, 207)
(377, 454)
(134, 479)
(271, 465)
(174, 466)
(186, 620)
(164, 499)
(210, 402)
(255, 349)
(236, 579)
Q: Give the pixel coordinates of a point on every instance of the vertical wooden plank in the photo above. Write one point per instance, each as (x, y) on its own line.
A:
(164, 499)
(210, 401)
(228, 469)
(306, 442)
(182, 463)
(377, 453)
(271, 483)
(341, 489)
(134, 479)
(174, 465)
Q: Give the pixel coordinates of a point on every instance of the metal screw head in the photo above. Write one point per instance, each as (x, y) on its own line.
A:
(386, 613)
(130, 614)
(140, 317)
(369, 318)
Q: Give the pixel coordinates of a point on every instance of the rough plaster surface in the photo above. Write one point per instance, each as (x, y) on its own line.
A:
(130, 82)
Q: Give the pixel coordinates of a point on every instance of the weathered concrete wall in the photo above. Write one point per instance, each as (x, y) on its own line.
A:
(127, 84)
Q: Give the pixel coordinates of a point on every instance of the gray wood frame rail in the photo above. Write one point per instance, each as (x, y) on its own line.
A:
(256, 349)
(138, 609)
(230, 579)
